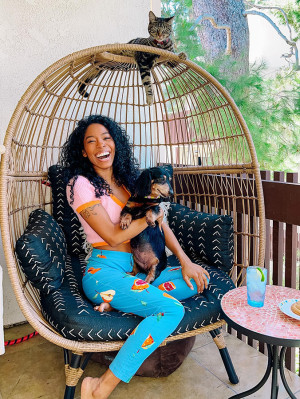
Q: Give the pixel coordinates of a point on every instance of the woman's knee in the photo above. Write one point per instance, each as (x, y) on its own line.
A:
(173, 307)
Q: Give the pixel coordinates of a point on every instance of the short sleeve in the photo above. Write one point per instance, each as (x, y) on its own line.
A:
(84, 194)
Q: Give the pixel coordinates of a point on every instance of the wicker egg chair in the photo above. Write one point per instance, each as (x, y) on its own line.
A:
(193, 124)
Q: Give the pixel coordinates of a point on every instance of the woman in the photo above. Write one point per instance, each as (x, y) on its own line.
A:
(102, 172)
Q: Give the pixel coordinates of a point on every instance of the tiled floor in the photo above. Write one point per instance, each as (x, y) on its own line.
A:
(34, 370)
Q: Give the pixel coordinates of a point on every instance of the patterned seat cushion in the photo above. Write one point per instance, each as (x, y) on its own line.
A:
(64, 214)
(41, 251)
(206, 236)
(72, 315)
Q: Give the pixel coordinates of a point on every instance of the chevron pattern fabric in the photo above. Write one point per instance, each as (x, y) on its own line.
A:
(203, 235)
(64, 214)
(73, 316)
(41, 251)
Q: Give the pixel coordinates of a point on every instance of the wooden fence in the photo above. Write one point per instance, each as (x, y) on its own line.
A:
(282, 203)
(282, 209)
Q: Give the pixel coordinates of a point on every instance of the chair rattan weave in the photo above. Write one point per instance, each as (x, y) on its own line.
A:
(193, 124)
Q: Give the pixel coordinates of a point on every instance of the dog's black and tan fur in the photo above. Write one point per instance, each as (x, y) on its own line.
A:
(148, 248)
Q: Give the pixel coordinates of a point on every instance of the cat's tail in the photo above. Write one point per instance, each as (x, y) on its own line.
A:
(82, 89)
(82, 85)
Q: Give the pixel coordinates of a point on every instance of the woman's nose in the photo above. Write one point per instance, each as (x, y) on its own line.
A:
(101, 143)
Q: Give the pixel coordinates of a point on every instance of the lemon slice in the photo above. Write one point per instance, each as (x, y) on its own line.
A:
(261, 274)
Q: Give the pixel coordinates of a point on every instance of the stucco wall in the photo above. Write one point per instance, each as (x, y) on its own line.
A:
(36, 33)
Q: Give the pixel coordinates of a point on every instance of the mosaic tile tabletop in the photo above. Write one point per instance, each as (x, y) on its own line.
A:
(268, 320)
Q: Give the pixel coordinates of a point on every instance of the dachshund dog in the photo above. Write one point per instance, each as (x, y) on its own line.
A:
(148, 248)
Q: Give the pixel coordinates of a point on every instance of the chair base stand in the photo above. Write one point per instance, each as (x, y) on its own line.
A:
(220, 342)
(74, 371)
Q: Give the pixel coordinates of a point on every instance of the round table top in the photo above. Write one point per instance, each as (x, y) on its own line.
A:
(268, 323)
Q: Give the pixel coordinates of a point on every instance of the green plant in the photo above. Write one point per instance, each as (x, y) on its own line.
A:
(269, 105)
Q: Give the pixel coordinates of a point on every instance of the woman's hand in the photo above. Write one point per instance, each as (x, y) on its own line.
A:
(189, 269)
(196, 272)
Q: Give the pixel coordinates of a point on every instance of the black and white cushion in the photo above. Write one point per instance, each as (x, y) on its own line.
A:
(72, 315)
(41, 251)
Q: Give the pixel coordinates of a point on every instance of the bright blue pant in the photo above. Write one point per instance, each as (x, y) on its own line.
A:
(106, 280)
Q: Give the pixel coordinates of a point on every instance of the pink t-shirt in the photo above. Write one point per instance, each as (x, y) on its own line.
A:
(84, 197)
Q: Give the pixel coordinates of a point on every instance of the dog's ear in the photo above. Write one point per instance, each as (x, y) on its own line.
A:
(169, 169)
(143, 184)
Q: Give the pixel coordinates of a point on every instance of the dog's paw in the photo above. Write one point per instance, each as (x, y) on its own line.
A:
(149, 279)
(125, 221)
(151, 218)
(150, 223)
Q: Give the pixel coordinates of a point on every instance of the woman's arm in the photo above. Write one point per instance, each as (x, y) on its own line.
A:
(99, 220)
(189, 269)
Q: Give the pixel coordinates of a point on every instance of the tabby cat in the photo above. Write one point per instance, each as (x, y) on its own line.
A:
(160, 30)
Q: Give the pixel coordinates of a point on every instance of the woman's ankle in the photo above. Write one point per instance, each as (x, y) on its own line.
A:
(107, 383)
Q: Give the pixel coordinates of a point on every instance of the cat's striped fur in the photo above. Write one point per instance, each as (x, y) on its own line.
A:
(160, 31)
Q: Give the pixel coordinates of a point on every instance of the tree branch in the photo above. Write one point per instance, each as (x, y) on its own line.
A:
(289, 42)
(275, 8)
(228, 50)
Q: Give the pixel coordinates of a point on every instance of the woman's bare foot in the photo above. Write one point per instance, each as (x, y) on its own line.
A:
(99, 388)
(103, 307)
(88, 386)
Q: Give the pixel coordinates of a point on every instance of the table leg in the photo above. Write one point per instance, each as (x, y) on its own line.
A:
(281, 369)
(275, 362)
(262, 382)
(275, 387)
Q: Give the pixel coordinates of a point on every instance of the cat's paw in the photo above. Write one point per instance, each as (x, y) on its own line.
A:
(149, 100)
(182, 56)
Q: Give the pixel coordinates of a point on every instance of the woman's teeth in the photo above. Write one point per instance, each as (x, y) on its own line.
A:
(103, 155)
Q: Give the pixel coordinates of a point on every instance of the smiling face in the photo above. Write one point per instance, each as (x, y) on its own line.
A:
(99, 148)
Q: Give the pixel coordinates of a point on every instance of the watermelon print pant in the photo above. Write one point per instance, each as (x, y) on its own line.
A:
(106, 280)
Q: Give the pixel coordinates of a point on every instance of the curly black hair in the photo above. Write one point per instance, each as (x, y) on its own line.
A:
(125, 166)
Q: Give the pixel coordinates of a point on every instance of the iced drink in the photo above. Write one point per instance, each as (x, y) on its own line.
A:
(256, 286)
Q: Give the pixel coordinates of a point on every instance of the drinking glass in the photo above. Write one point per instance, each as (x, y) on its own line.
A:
(256, 285)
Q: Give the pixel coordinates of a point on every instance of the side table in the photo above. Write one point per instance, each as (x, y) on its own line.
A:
(267, 324)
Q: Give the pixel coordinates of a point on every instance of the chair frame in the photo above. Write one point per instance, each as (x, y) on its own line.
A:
(30, 150)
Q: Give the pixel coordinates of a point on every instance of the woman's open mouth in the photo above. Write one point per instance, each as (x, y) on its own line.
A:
(104, 156)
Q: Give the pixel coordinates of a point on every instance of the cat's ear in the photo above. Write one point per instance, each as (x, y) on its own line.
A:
(169, 20)
(152, 16)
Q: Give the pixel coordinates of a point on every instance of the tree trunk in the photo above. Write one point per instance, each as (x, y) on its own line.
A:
(214, 41)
